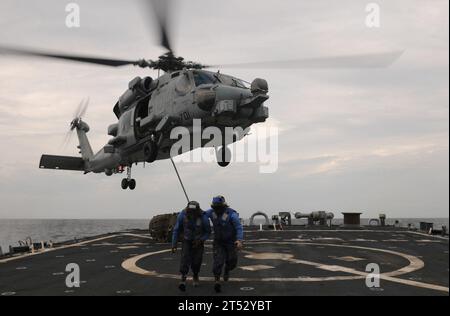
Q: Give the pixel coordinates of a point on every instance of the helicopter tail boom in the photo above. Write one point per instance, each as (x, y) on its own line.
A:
(85, 147)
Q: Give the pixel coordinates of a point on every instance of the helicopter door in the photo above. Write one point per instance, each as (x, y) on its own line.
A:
(183, 98)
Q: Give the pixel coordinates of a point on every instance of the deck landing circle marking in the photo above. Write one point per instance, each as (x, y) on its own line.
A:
(414, 265)
(8, 293)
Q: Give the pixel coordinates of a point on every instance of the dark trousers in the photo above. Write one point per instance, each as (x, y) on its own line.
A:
(225, 254)
(191, 257)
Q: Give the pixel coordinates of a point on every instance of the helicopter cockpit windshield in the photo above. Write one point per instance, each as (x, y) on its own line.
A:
(202, 77)
(231, 81)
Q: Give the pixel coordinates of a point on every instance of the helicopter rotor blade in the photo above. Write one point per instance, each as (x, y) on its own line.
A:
(162, 10)
(375, 60)
(67, 139)
(78, 109)
(83, 110)
(77, 58)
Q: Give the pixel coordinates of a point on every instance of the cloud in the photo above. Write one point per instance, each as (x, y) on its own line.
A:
(349, 139)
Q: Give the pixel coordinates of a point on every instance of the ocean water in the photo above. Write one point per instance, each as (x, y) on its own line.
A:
(56, 230)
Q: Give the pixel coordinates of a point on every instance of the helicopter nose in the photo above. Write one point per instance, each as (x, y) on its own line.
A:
(232, 93)
(206, 99)
(241, 103)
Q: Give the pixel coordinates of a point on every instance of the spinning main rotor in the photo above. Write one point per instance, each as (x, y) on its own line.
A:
(170, 62)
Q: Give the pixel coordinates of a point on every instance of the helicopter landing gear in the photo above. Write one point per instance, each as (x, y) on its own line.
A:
(223, 156)
(150, 151)
(128, 183)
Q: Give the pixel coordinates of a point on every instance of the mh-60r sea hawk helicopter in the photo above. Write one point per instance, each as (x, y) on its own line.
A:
(150, 108)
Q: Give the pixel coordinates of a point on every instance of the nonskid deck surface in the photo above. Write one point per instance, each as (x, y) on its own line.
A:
(291, 262)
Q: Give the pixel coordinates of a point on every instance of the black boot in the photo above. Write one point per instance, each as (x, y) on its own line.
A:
(217, 285)
(182, 285)
(196, 280)
(226, 276)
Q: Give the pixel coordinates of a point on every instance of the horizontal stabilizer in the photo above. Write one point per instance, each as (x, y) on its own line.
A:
(61, 163)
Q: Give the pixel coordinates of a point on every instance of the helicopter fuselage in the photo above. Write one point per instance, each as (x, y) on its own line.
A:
(150, 110)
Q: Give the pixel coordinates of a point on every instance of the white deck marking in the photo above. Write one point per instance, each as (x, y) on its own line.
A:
(396, 240)
(123, 292)
(56, 249)
(363, 240)
(357, 231)
(247, 289)
(428, 236)
(79, 244)
(137, 235)
(327, 239)
(109, 244)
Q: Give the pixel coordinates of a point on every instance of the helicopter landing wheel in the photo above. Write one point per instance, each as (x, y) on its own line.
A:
(128, 184)
(132, 184)
(224, 157)
(150, 152)
(124, 184)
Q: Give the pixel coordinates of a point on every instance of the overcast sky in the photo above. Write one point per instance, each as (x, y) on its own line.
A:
(350, 140)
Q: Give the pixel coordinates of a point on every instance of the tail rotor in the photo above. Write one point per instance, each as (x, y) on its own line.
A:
(78, 115)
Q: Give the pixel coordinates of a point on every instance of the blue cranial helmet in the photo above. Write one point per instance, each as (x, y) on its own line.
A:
(219, 201)
(193, 205)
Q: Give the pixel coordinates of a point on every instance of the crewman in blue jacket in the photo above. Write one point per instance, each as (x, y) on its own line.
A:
(193, 223)
(228, 239)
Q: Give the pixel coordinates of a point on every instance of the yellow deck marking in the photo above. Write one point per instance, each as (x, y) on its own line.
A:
(414, 265)
(347, 258)
(259, 267)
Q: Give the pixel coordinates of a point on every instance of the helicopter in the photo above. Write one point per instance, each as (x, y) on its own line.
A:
(151, 108)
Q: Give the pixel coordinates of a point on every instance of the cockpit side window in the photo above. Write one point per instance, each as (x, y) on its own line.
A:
(204, 78)
(183, 84)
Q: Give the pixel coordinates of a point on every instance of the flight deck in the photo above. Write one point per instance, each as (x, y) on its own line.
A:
(294, 262)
